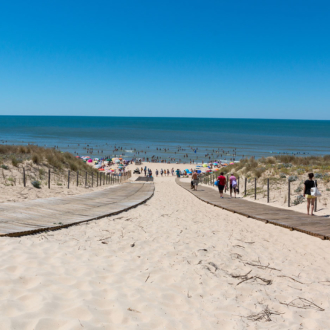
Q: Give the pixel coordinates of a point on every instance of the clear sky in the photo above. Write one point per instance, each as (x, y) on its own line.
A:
(237, 59)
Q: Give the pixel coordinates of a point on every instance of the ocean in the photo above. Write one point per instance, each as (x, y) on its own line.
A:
(199, 138)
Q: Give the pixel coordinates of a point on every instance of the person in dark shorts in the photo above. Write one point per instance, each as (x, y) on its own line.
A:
(310, 183)
(221, 184)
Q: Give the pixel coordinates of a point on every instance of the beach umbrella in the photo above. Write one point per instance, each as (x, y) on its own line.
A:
(117, 161)
(109, 159)
(216, 169)
(89, 161)
(231, 163)
(199, 171)
(101, 169)
(215, 163)
(205, 165)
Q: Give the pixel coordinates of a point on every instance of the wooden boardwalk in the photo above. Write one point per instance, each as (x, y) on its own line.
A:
(315, 226)
(17, 219)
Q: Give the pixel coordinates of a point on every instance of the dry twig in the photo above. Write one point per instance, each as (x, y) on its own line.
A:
(303, 303)
(264, 315)
(292, 279)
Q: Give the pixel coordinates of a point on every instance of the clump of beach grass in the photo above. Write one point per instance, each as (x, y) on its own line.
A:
(48, 157)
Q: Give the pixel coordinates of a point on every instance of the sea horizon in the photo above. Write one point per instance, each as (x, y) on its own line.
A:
(198, 139)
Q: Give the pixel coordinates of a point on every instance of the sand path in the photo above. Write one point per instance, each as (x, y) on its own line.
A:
(167, 264)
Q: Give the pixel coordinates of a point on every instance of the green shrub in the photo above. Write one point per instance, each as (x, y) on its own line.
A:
(299, 199)
(36, 184)
(15, 161)
(292, 178)
(5, 167)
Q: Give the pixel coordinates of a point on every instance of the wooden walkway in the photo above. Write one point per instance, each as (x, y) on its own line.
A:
(17, 219)
(315, 226)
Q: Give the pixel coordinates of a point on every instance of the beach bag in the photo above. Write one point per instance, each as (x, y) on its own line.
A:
(234, 184)
(315, 192)
(216, 183)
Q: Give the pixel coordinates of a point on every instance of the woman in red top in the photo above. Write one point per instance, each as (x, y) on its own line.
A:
(221, 184)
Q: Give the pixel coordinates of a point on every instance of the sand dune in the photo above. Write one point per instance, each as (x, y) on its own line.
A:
(168, 264)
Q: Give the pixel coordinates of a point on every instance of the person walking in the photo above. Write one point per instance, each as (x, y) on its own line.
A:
(310, 183)
(156, 172)
(233, 184)
(221, 184)
(195, 180)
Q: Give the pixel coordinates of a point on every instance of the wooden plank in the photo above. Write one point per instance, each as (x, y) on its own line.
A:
(18, 219)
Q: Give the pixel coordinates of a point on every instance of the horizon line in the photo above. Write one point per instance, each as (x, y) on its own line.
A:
(100, 116)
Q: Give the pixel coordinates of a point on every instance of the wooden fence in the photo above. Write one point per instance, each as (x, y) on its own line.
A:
(25, 176)
(263, 188)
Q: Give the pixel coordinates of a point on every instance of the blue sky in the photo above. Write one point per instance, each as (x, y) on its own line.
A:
(236, 59)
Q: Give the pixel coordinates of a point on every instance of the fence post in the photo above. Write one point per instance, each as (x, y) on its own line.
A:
(289, 192)
(238, 183)
(268, 190)
(68, 179)
(97, 179)
(245, 186)
(24, 179)
(86, 179)
(315, 205)
(49, 178)
(227, 183)
(255, 188)
(77, 178)
(92, 179)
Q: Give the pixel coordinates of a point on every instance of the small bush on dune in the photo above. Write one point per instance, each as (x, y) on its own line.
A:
(36, 184)
(258, 172)
(4, 149)
(299, 199)
(326, 158)
(22, 150)
(73, 166)
(36, 159)
(293, 178)
(15, 162)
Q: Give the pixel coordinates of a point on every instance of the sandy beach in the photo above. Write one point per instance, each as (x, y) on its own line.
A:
(172, 263)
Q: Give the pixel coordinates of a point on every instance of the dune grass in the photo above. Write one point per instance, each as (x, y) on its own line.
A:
(49, 157)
